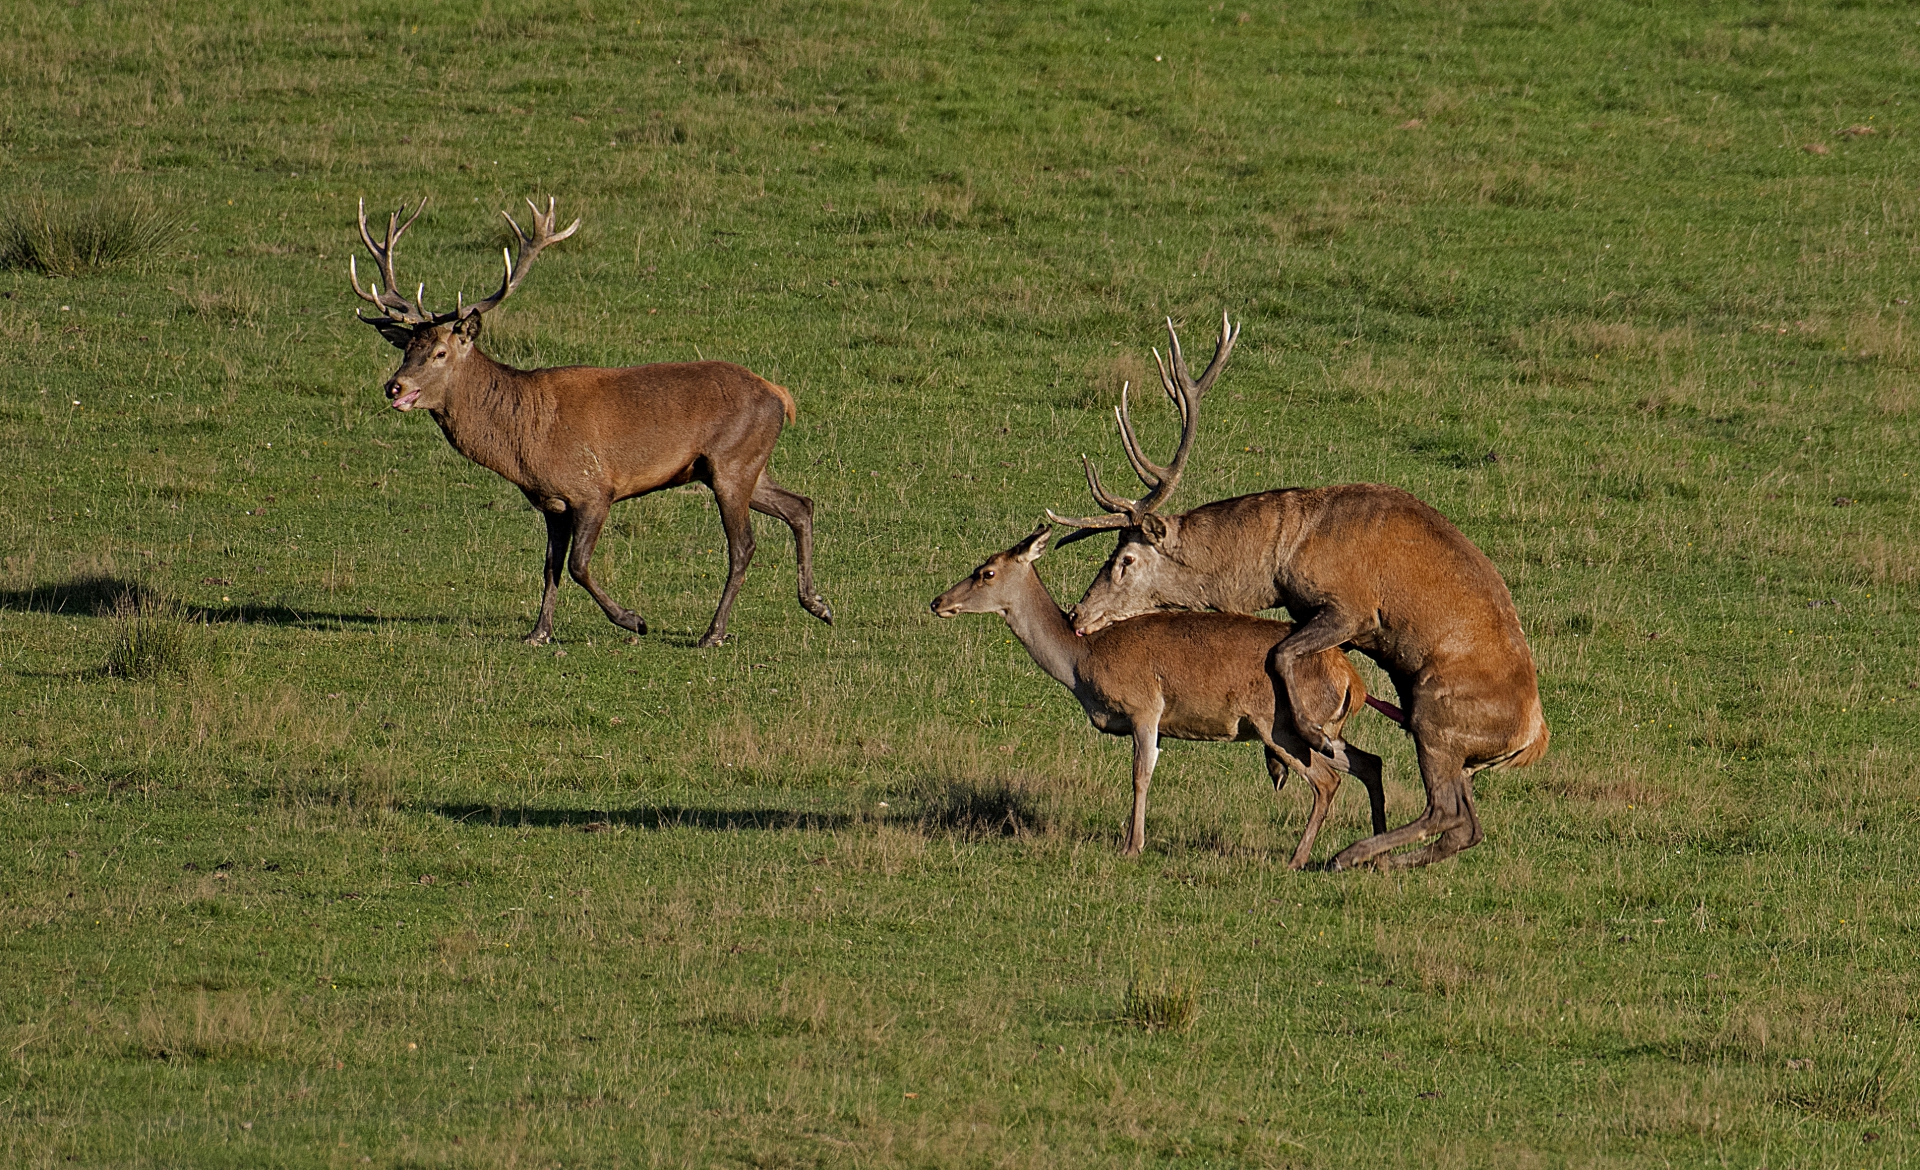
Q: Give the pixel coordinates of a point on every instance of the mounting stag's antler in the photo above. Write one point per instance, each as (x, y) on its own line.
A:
(1185, 394)
(529, 247)
(396, 307)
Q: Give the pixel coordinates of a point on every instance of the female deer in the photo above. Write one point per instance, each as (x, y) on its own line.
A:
(1201, 676)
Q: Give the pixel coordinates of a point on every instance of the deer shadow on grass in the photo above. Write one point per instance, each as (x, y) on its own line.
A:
(719, 820)
(97, 595)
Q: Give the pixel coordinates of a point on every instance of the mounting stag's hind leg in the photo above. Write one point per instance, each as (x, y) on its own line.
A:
(587, 522)
(559, 535)
(797, 510)
(1450, 816)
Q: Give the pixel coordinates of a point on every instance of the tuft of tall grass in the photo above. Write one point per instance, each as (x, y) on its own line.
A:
(1163, 1001)
(60, 237)
(155, 637)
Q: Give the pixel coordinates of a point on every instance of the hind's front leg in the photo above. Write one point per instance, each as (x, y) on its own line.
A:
(1146, 753)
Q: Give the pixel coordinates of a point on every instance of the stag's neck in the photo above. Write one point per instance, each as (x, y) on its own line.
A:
(1046, 633)
(495, 415)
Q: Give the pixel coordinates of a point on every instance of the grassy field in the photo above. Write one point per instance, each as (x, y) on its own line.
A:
(308, 861)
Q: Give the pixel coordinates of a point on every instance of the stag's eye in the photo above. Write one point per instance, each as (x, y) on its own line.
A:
(986, 574)
(438, 354)
(1126, 560)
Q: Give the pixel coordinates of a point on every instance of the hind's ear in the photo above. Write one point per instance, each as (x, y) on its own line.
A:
(397, 333)
(1029, 550)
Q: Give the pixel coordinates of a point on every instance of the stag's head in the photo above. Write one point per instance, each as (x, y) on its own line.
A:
(992, 587)
(438, 346)
(1145, 573)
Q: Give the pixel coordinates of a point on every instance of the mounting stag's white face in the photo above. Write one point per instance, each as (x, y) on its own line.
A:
(1144, 574)
(434, 356)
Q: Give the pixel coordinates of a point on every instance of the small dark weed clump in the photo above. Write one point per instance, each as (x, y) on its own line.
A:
(157, 638)
(981, 808)
(1163, 1002)
(56, 237)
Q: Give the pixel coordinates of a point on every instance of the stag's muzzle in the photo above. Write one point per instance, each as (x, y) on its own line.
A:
(400, 396)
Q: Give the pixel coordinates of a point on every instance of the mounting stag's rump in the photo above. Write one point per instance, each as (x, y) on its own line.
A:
(578, 439)
(1365, 566)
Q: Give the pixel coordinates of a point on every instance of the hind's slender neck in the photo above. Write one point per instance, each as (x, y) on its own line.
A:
(1044, 630)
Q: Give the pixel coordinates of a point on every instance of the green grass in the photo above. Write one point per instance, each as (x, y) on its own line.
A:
(379, 882)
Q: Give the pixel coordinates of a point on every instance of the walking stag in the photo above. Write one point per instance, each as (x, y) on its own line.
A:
(578, 439)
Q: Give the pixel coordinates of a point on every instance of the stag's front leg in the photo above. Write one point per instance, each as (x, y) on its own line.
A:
(1318, 710)
(559, 534)
(587, 522)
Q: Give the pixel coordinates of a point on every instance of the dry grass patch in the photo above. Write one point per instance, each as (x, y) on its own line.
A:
(62, 236)
(238, 1025)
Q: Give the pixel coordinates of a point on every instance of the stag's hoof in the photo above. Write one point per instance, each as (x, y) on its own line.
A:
(710, 641)
(538, 638)
(818, 607)
(631, 622)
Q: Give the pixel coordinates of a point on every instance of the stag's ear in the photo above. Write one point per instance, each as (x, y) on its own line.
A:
(1029, 550)
(397, 333)
(468, 327)
(1153, 528)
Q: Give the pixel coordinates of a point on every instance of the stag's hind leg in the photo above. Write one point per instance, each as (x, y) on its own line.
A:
(587, 522)
(735, 499)
(559, 535)
(1450, 816)
(797, 510)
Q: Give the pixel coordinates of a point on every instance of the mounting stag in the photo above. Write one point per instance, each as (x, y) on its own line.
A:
(1365, 566)
(1199, 676)
(576, 439)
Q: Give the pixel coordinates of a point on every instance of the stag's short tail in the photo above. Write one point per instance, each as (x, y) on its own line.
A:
(786, 398)
(1534, 750)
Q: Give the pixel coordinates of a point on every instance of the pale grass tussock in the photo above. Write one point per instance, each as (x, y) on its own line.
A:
(236, 1025)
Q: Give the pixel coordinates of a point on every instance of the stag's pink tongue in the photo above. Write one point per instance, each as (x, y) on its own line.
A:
(406, 401)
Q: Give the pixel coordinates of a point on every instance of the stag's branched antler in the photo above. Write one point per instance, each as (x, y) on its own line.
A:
(388, 300)
(1186, 394)
(529, 247)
